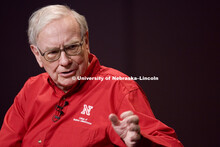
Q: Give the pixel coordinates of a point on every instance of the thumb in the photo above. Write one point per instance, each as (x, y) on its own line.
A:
(114, 119)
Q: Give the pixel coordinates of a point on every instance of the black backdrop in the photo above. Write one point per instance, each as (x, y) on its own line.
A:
(177, 41)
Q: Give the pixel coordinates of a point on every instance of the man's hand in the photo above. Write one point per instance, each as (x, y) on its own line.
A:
(127, 128)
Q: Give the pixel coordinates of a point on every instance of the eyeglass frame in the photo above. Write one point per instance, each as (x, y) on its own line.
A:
(60, 50)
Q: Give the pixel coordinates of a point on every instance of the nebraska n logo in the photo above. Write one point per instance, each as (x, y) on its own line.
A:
(86, 109)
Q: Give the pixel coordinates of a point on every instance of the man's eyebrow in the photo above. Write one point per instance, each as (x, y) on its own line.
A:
(52, 48)
(72, 43)
(75, 42)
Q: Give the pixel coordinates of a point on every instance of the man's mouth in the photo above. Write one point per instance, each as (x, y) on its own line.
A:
(68, 73)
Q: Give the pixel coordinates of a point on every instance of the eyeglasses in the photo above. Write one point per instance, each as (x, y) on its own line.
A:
(54, 54)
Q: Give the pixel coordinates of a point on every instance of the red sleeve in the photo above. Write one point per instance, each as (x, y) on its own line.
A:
(154, 132)
(13, 128)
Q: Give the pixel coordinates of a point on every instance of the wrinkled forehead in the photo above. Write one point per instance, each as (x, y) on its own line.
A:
(60, 31)
(68, 22)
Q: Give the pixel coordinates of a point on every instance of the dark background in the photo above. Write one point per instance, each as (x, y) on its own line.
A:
(175, 40)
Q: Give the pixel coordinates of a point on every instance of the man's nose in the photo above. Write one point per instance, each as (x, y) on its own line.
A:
(64, 59)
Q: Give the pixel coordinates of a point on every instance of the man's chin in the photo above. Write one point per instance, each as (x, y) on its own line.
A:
(65, 86)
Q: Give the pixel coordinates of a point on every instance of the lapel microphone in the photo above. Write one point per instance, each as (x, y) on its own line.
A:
(59, 108)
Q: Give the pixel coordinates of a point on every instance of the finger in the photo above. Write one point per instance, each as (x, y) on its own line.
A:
(135, 137)
(132, 119)
(132, 138)
(114, 119)
(134, 128)
(135, 131)
(126, 114)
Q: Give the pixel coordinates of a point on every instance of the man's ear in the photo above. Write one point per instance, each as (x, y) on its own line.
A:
(87, 41)
(37, 55)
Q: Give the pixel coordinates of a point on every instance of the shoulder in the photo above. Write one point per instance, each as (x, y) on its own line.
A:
(31, 87)
(37, 81)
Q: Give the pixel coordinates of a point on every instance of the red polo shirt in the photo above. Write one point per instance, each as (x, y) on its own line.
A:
(43, 115)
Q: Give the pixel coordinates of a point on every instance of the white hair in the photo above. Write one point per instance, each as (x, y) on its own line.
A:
(40, 18)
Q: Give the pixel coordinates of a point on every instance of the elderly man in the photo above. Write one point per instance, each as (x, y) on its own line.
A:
(59, 109)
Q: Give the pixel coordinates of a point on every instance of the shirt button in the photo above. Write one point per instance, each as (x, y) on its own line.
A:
(39, 141)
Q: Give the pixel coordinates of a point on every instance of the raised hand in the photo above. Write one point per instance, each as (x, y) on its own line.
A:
(128, 128)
